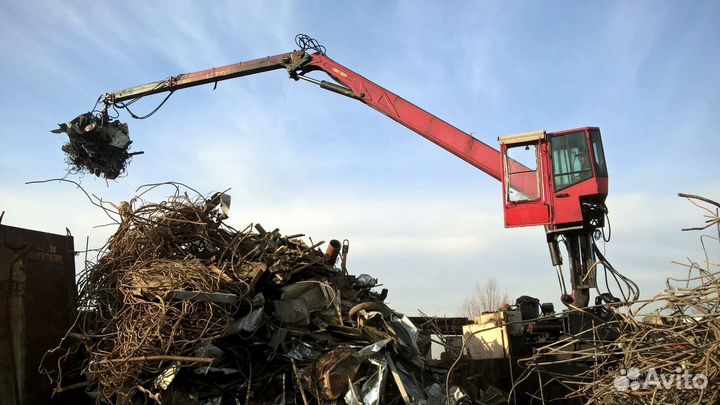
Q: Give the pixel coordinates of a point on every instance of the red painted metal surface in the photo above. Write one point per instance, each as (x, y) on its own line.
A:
(201, 77)
(530, 213)
(558, 209)
(554, 209)
(567, 203)
(448, 137)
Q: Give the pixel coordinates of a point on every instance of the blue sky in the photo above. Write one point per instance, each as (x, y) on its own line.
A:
(305, 160)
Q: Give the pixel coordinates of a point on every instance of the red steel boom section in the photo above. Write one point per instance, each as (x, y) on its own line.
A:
(562, 212)
(448, 137)
(297, 63)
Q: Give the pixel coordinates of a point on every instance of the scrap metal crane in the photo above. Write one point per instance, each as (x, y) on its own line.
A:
(558, 180)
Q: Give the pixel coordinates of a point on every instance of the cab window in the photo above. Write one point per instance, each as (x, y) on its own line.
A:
(521, 166)
(598, 153)
(571, 159)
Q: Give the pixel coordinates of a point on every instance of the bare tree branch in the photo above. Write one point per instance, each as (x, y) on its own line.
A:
(485, 298)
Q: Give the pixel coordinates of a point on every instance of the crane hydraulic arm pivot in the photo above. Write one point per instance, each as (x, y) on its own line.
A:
(558, 179)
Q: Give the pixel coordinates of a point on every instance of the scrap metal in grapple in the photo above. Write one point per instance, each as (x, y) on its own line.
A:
(96, 144)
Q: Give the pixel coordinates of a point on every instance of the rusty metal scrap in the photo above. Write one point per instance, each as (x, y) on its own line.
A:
(96, 144)
(179, 307)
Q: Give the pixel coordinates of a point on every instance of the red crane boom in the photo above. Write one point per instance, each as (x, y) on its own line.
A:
(558, 180)
(351, 84)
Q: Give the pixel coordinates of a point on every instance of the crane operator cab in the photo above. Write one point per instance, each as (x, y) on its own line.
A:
(558, 180)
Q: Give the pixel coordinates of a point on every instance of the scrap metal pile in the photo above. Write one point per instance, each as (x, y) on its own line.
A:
(181, 308)
(665, 350)
(97, 145)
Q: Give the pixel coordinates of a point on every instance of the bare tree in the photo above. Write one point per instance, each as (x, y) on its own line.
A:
(486, 297)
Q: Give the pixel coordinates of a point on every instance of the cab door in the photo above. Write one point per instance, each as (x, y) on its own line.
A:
(526, 200)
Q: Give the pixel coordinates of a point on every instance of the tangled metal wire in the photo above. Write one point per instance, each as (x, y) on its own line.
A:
(665, 350)
(128, 313)
(96, 144)
(181, 308)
